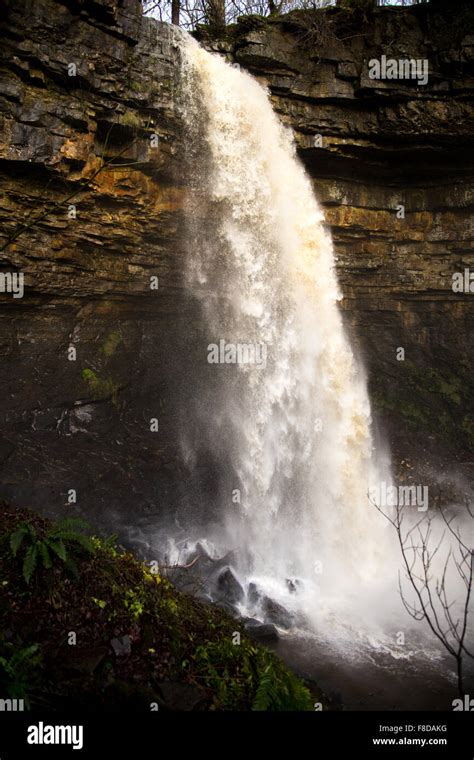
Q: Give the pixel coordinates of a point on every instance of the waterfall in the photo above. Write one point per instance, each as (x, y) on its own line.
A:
(294, 429)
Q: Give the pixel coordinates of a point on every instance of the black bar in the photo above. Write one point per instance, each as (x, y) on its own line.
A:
(133, 736)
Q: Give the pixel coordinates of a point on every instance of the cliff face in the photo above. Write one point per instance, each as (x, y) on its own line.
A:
(104, 145)
(91, 161)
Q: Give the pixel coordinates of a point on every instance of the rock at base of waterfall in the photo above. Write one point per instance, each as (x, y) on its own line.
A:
(204, 597)
(228, 587)
(231, 609)
(253, 593)
(193, 574)
(228, 559)
(276, 613)
(294, 585)
(258, 631)
(200, 561)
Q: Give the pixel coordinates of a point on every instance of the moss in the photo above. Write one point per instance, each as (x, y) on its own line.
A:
(353, 5)
(130, 119)
(430, 380)
(433, 400)
(412, 413)
(172, 637)
(99, 388)
(111, 343)
(251, 22)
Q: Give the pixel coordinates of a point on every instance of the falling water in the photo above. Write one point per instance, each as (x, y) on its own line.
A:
(287, 439)
(296, 429)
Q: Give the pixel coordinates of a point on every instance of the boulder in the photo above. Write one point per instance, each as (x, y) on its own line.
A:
(227, 607)
(294, 585)
(276, 613)
(253, 593)
(228, 587)
(262, 632)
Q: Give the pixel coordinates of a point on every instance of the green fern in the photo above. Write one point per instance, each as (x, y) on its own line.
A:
(77, 538)
(18, 536)
(72, 524)
(57, 546)
(17, 669)
(244, 676)
(45, 555)
(61, 541)
(110, 542)
(30, 562)
(265, 692)
(71, 567)
(280, 690)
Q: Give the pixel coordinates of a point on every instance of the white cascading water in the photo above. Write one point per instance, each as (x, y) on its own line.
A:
(299, 427)
(294, 435)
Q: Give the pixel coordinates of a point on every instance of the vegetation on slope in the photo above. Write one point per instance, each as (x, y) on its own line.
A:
(84, 625)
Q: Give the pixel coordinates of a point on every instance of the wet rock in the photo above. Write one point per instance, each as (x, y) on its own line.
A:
(249, 621)
(262, 632)
(91, 277)
(228, 587)
(229, 559)
(253, 593)
(201, 551)
(294, 585)
(276, 613)
(227, 607)
(204, 597)
(200, 561)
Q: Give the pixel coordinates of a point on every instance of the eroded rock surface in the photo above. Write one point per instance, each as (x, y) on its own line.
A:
(91, 162)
